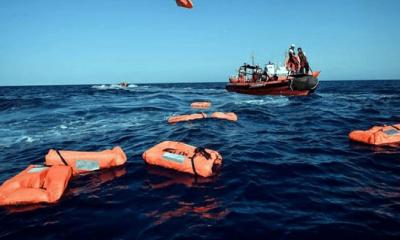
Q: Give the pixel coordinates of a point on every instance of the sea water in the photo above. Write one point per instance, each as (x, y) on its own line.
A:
(289, 170)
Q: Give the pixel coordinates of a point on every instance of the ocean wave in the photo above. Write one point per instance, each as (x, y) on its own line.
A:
(26, 139)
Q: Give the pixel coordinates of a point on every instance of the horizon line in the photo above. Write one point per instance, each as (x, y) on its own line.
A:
(86, 84)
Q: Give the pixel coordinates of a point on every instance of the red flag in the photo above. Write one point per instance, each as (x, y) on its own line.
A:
(184, 3)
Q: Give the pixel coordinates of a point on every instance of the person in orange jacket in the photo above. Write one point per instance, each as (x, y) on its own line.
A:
(293, 62)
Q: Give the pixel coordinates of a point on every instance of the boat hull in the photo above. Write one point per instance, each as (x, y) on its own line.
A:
(296, 87)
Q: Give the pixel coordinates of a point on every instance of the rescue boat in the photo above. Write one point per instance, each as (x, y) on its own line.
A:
(272, 80)
(123, 84)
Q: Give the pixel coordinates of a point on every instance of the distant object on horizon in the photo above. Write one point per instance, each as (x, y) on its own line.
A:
(184, 3)
(124, 84)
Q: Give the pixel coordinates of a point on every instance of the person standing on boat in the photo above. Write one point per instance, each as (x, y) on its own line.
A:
(304, 65)
(293, 62)
(264, 75)
(292, 49)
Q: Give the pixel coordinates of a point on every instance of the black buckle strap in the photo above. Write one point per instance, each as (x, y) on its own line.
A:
(202, 151)
(193, 166)
(393, 126)
(61, 157)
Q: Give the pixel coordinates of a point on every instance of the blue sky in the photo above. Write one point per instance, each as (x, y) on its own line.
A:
(107, 41)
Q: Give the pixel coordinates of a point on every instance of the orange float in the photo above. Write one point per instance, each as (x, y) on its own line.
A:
(227, 116)
(36, 184)
(86, 161)
(200, 105)
(183, 158)
(184, 3)
(316, 74)
(378, 135)
(185, 118)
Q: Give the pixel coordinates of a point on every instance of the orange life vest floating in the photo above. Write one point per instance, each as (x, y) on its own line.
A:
(185, 118)
(201, 105)
(36, 184)
(86, 161)
(183, 158)
(377, 135)
(227, 116)
(184, 3)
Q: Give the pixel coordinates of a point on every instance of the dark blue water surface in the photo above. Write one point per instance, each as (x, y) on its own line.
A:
(289, 170)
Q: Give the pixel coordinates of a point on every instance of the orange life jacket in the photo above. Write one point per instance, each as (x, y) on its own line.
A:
(377, 135)
(227, 116)
(201, 105)
(86, 161)
(184, 3)
(185, 118)
(183, 158)
(293, 63)
(35, 184)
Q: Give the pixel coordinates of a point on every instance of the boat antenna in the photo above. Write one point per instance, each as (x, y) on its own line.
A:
(252, 58)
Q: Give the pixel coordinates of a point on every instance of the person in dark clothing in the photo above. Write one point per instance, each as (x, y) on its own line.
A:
(304, 65)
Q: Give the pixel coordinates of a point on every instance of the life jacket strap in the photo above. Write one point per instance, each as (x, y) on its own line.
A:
(202, 151)
(62, 158)
(395, 127)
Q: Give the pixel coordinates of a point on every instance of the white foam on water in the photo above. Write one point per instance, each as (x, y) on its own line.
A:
(100, 87)
(113, 87)
(81, 127)
(275, 101)
(26, 139)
